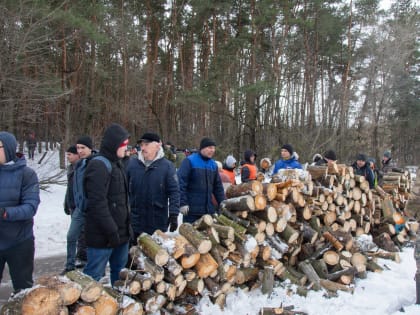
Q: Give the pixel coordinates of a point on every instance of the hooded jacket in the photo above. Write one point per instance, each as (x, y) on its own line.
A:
(19, 196)
(154, 193)
(249, 169)
(107, 222)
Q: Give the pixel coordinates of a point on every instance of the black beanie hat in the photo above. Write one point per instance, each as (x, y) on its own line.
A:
(330, 155)
(361, 157)
(288, 147)
(206, 142)
(85, 140)
(9, 145)
(72, 149)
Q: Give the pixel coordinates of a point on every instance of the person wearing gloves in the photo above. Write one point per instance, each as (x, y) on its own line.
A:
(107, 217)
(153, 189)
(199, 179)
(19, 200)
(287, 159)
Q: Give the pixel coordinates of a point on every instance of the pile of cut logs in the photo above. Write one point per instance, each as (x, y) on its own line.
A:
(318, 231)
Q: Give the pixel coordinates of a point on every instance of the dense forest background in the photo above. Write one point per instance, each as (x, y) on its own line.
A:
(248, 73)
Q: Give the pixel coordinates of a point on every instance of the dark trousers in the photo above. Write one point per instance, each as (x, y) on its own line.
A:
(20, 260)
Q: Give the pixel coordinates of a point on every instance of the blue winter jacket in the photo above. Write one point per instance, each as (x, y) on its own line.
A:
(290, 163)
(153, 193)
(19, 195)
(365, 171)
(199, 179)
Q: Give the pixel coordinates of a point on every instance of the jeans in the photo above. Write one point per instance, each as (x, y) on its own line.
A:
(97, 258)
(76, 227)
(20, 260)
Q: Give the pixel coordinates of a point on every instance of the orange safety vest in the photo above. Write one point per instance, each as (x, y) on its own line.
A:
(231, 175)
(252, 171)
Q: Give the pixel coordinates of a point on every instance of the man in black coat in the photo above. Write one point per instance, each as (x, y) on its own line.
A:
(107, 225)
(154, 188)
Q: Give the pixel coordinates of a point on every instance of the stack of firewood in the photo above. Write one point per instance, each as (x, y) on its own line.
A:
(308, 228)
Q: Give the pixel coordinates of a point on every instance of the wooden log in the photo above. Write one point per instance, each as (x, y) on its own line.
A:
(331, 258)
(205, 266)
(197, 239)
(131, 287)
(152, 301)
(203, 223)
(106, 305)
(251, 188)
(309, 235)
(213, 287)
(338, 274)
(177, 247)
(82, 309)
(260, 202)
(239, 229)
(269, 214)
(269, 190)
(129, 306)
(306, 267)
(246, 274)
(195, 286)
(267, 283)
(91, 289)
(231, 216)
(334, 286)
(146, 264)
(290, 235)
(333, 240)
(320, 267)
(395, 256)
(225, 232)
(69, 291)
(39, 300)
(152, 249)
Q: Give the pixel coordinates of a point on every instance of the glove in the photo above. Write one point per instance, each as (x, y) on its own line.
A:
(3, 213)
(184, 209)
(67, 210)
(114, 240)
(173, 222)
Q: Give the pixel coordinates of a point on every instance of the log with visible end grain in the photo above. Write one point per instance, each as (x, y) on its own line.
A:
(309, 235)
(152, 249)
(331, 257)
(69, 291)
(205, 266)
(260, 202)
(359, 260)
(251, 188)
(106, 305)
(246, 274)
(334, 286)
(334, 276)
(195, 286)
(82, 309)
(385, 242)
(333, 240)
(146, 264)
(197, 239)
(91, 289)
(203, 223)
(176, 245)
(241, 203)
(129, 306)
(270, 191)
(131, 287)
(290, 235)
(152, 301)
(173, 267)
(37, 301)
(395, 256)
(225, 232)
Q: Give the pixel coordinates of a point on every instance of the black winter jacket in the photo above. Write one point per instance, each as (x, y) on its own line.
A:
(107, 222)
(154, 193)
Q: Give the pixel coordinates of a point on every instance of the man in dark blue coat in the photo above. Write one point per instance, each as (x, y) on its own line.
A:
(199, 181)
(19, 200)
(153, 188)
(107, 219)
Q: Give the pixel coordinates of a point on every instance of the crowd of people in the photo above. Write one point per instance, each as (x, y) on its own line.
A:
(116, 194)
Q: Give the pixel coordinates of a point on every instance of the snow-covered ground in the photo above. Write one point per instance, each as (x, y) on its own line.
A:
(390, 292)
